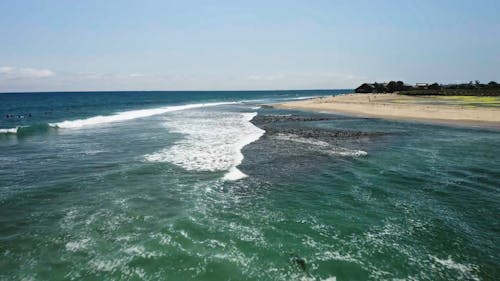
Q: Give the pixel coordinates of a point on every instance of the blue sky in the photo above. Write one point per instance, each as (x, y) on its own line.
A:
(223, 45)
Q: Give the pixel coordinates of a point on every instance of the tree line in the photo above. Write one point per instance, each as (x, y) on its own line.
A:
(400, 86)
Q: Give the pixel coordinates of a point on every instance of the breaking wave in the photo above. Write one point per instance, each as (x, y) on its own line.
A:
(9, 130)
(23, 131)
(130, 115)
(102, 119)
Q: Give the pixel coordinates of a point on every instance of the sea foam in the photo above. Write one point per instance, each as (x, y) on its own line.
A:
(212, 141)
(9, 130)
(326, 147)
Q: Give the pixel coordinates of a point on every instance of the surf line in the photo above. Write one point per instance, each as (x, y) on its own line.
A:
(235, 173)
(130, 115)
(211, 143)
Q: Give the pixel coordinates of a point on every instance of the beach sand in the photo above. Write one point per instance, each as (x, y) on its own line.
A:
(457, 110)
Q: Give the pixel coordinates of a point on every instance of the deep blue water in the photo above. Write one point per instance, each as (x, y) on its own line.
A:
(60, 106)
(182, 186)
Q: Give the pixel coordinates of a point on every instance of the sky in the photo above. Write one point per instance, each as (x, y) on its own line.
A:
(244, 45)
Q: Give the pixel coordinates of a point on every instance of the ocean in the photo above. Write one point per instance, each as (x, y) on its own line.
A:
(218, 186)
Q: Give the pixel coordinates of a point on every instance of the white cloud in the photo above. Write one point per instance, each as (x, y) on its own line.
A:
(6, 69)
(272, 77)
(28, 79)
(303, 81)
(8, 72)
(136, 75)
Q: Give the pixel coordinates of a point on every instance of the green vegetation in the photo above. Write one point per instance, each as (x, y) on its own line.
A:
(464, 100)
(465, 89)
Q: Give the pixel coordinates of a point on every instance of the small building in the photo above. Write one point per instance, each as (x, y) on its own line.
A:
(422, 85)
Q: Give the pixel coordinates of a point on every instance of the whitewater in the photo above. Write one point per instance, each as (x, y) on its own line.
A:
(130, 115)
(212, 141)
(118, 117)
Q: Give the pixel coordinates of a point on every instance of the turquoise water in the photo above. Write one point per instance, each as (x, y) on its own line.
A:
(182, 186)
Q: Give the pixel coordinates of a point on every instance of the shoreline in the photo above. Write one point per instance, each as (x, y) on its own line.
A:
(399, 107)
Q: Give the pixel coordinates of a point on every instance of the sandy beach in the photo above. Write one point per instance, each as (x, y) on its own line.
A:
(459, 110)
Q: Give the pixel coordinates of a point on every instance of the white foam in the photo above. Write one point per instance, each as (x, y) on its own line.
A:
(304, 98)
(212, 141)
(9, 130)
(129, 115)
(234, 174)
(296, 138)
(466, 270)
(348, 152)
(327, 148)
(75, 246)
(254, 100)
(334, 255)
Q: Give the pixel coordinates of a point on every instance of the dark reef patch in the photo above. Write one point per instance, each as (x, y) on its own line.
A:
(297, 125)
(265, 119)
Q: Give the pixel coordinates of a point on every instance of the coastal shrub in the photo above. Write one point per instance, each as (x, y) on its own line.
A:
(475, 88)
(392, 87)
(364, 88)
(435, 86)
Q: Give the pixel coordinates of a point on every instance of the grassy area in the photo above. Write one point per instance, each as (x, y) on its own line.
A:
(483, 101)
(452, 92)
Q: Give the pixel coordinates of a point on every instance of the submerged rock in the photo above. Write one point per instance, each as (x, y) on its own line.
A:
(283, 124)
(320, 133)
(263, 119)
(298, 261)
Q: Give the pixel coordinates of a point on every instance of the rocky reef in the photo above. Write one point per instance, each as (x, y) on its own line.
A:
(291, 124)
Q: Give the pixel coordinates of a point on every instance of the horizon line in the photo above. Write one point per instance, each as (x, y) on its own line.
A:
(127, 91)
